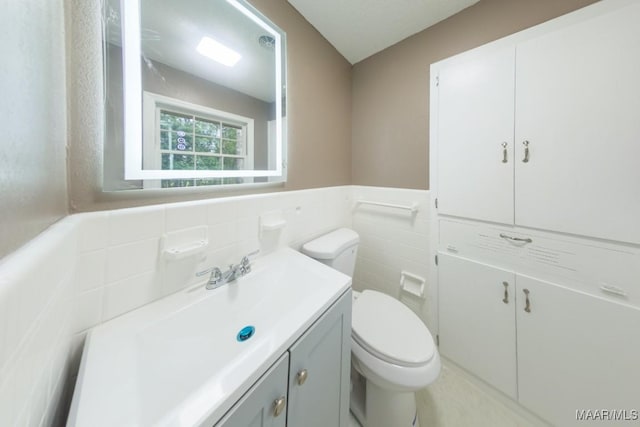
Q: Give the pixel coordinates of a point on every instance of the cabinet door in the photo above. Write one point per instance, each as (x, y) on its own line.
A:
(477, 312)
(257, 408)
(475, 120)
(578, 97)
(320, 371)
(575, 351)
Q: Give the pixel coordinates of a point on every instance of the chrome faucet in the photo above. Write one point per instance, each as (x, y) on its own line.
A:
(219, 278)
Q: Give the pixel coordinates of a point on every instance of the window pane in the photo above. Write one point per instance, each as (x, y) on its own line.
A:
(208, 163)
(177, 161)
(181, 141)
(207, 128)
(231, 147)
(207, 145)
(232, 164)
(176, 122)
(173, 183)
(164, 140)
(208, 182)
(233, 180)
(231, 132)
(165, 120)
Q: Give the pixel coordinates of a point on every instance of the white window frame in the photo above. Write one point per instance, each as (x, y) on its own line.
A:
(153, 103)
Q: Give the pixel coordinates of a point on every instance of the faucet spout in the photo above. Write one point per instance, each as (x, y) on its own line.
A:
(219, 278)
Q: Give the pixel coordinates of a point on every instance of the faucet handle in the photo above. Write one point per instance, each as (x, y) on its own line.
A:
(203, 272)
(245, 263)
(216, 274)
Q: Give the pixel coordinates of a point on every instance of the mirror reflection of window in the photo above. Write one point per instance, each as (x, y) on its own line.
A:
(183, 136)
(211, 95)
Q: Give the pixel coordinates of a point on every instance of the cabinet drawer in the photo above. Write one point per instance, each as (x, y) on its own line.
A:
(591, 266)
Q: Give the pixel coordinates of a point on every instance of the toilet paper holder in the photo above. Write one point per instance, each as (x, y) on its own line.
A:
(412, 284)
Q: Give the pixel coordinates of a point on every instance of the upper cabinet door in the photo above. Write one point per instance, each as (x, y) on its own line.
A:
(475, 137)
(577, 105)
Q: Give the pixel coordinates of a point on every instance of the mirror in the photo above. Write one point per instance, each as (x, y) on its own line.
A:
(195, 94)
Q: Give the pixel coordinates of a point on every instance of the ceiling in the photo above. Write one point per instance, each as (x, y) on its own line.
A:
(360, 28)
(171, 31)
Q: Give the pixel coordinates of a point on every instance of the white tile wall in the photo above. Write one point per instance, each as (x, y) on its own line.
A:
(92, 267)
(36, 289)
(393, 240)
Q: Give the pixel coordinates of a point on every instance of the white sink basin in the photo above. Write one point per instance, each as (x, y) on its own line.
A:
(177, 362)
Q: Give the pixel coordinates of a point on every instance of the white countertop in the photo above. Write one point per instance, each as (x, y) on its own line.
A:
(177, 362)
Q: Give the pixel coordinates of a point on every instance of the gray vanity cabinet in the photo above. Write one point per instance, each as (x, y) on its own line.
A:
(264, 404)
(319, 371)
(309, 385)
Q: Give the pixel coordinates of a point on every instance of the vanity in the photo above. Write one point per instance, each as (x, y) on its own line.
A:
(269, 349)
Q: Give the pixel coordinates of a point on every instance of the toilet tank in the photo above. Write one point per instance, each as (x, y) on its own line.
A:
(337, 249)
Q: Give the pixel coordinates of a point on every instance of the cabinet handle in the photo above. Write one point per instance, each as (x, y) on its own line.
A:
(278, 406)
(506, 293)
(516, 239)
(527, 304)
(302, 376)
(504, 152)
(526, 151)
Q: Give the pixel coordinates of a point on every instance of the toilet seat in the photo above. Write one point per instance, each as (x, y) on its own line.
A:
(390, 331)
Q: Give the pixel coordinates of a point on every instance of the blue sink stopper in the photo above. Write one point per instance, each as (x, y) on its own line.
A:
(245, 333)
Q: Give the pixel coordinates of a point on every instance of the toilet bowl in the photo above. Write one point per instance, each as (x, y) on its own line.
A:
(393, 352)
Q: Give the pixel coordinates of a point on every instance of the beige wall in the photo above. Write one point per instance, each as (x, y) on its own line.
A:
(33, 191)
(387, 145)
(390, 136)
(318, 110)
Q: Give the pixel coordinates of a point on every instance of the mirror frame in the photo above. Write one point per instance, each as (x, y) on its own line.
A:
(132, 84)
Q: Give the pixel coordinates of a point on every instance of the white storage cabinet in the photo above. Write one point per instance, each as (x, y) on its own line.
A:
(542, 130)
(574, 350)
(534, 147)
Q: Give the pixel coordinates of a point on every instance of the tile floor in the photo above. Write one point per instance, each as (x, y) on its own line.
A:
(457, 400)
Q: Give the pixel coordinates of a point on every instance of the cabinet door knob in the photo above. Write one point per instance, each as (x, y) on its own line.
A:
(526, 151)
(506, 293)
(527, 303)
(278, 406)
(504, 152)
(302, 376)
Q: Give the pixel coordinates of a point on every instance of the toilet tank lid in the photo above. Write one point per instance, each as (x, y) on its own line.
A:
(332, 244)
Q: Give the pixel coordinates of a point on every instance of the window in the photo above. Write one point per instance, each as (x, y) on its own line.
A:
(192, 137)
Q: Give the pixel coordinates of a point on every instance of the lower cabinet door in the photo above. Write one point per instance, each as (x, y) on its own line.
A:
(577, 354)
(264, 405)
(320, 371)
(477, 328)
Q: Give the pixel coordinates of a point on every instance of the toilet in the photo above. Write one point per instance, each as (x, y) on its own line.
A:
(393, 352)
